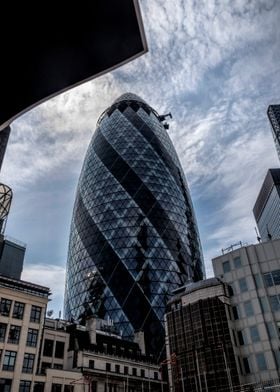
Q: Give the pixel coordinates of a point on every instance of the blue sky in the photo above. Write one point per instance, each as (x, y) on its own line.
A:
(216, 66)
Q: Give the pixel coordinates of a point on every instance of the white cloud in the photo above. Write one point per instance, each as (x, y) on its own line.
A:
(49, 276)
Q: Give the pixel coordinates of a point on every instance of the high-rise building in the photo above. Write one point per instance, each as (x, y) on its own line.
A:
(199, 331)
(134, 237)
(273, 113)
(253, 272)
(267, 207)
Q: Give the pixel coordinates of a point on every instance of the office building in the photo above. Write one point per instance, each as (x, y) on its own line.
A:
(253, 273)
(11, 257)
(22, 310)
(199, 331)
(267, 207)
(273, 113)
(51, 355)
(134, 237)
(4, 138)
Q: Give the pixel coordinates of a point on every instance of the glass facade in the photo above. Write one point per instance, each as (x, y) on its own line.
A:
(273, 113)
(133, 235)
(267, 206)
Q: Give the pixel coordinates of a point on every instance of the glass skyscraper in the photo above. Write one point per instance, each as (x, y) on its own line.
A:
(134, 237)
(273, 113)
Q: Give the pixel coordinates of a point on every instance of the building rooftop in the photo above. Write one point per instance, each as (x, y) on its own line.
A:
(23, 286)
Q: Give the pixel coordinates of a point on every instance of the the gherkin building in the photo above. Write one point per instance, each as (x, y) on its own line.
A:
(133, 236)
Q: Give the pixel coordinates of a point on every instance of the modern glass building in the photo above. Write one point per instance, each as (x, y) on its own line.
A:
(273, 113)
(134, 237)
(267, 206)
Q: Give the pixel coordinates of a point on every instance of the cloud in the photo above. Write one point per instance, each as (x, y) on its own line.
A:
(215, 66)
(48, 276)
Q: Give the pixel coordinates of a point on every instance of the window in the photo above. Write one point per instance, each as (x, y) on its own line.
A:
(56, 388)
(108, 367)
(264, 304)
(142, 372)
(243, 285)
(5, 307)
(248, 308)
(237, 262)
(274, 303)
(28, 363)
(117, 368)
(14, 334)
(57, 366)
(246, 365)
(134, 371)
(59, 350)
(24, 386)
(272, 278)
(271, 330)
(38, 387)
(48, 348)
(91, 364)
(18, 310)
(235, 312)
(226, 267)
(45, 366)
(3, 328)
(260, 358)
(125, 370)
(255, 337)
(240, 338)
(230, 290)
(156, 375)
(68, 388)
(35, 315)
(9, 360)
(32, 337)
(5, 385)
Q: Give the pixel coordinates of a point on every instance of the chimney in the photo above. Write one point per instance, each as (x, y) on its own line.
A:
(91, 328)
(140, 339)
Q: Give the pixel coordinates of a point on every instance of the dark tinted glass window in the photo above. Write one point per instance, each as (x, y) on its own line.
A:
(32, 337)
(235, 313)
(18, 310)
(125, 369)
(117, 368)
(134, 371)
(35, 315)
(5, 385)
(91, 364)
(38, 387)
(28, 363)
(275, 303)
(246, 365)
(240, 338)
(68, 388)
(56, 388)
(255, 337)
(14, 334)
(9, 360)
(226, 266)
(155, 375)
(24, 386)
(45, 366)
(59, 350)
(108, 367)
(3, 328)
(243, 285)
(48, 348)
(142, 373)
(5, 307)
(237, 262)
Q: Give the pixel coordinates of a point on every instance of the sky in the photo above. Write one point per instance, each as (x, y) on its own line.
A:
(215, 65)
